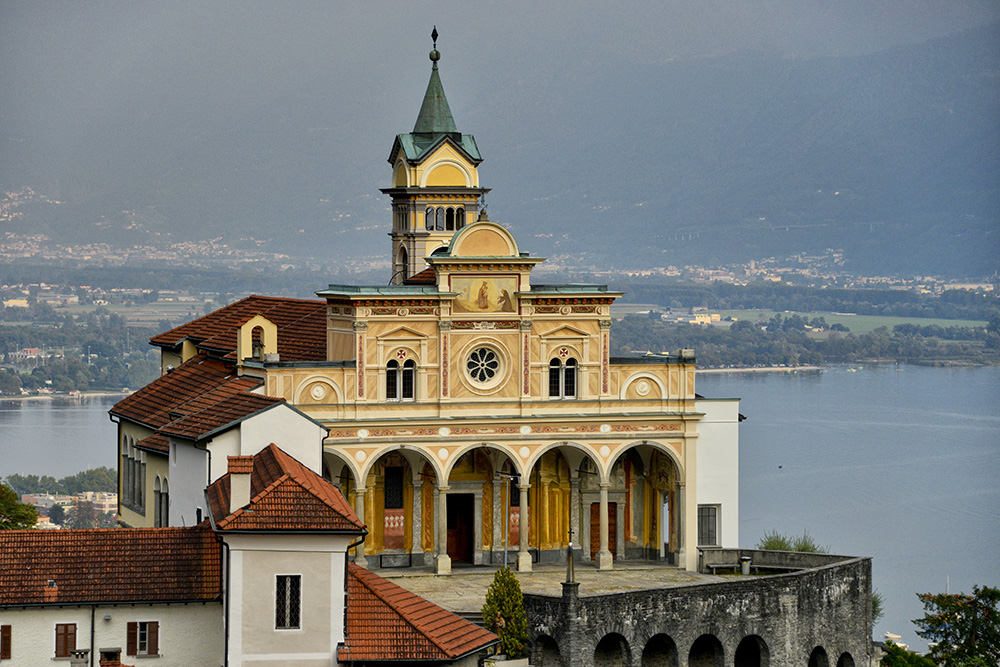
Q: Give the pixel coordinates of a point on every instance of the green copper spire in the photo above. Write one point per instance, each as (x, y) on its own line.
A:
(435, 114)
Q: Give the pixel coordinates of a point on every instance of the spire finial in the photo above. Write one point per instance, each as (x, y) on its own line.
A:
(435, 54)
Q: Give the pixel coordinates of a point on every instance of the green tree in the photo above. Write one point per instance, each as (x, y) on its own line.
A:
(84, 515)
(504, 613)
(15, 515)
(964, 628)
(57, 514)
(897, 656)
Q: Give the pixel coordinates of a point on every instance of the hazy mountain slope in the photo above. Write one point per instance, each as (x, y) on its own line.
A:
(893, 157)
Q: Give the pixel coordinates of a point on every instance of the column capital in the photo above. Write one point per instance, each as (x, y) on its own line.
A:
(359, 326)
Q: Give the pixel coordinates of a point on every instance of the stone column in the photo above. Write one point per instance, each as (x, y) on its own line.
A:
(477, 530)
(499, 516)
(523, 557)
(604, 558)
(443, 563)
(359, 509)
(620, 530)
(682, 526)
(416, 521)
(574, 511)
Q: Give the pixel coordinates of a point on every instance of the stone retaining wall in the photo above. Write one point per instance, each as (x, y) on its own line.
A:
(819, 617)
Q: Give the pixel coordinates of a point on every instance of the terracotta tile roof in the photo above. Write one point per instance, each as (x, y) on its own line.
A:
(109, 565)
(240, 465)
(157, 442)
(301, 327)
(195, 399)
(388, 622)
(425, 277)
(284, 495)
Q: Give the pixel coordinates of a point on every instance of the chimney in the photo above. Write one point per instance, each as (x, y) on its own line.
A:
(51, 591)
(240, 468)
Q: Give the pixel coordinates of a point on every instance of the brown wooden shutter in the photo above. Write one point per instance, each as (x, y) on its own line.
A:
(132, 641)
(4, 642)
(153, 638)
(65, 639)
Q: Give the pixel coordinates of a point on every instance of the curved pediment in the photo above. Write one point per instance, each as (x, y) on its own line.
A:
(483, 239)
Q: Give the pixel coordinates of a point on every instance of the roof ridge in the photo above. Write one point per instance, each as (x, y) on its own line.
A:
(409, 594)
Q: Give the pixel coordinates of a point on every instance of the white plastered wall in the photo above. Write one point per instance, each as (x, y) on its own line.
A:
(719, 464)
(255, 562)
(290, 430)
(188, 634)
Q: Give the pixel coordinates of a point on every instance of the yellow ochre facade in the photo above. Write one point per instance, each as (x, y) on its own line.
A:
(472, 411)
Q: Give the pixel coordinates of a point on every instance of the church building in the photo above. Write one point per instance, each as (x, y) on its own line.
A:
(470, 412)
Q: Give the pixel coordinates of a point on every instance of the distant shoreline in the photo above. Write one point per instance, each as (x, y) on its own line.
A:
(763, 369)
(51, 397)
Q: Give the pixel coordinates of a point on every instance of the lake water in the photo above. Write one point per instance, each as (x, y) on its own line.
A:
(900, 463)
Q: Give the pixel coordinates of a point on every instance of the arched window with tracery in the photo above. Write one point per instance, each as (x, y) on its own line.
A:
(400, 380)
(562, 378)
(439, 225)
(459, 218)
(429, 219)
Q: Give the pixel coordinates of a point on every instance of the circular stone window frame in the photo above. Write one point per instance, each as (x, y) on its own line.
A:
(503, 372)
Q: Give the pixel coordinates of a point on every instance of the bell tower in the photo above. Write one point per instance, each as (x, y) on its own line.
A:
(435, 181)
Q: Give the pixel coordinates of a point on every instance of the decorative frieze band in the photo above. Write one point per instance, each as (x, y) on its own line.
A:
(503, 430)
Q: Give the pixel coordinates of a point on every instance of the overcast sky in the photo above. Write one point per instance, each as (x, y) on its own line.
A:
(65, 64)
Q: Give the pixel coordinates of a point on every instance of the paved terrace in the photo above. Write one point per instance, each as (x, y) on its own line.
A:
(464, 590)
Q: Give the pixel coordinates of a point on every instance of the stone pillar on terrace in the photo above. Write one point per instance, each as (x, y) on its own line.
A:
(359, 509)
(499, 516)
(574, 510)
(443, 562)
(604, 557)
(416, 521)
(523, 556)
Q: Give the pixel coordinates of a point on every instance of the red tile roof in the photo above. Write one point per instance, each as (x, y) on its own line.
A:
(388, 622)
(301, 327)
(109, 565)
(194, 400)
(240, 465)
(284, 495)
(157, 442)
(425, 277)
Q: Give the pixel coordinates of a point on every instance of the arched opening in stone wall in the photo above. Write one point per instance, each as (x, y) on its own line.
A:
(706, 651)
(818, 658)
(612, 651)
(845, 660)
(660, 651)
(545, 652)
(752, 652)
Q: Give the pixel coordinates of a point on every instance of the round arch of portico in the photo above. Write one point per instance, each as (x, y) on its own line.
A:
(341, 456)
(585, 450)
(621, 450)
(408, 452)
(507, 451)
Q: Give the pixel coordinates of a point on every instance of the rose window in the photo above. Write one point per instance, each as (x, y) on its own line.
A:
(483, 364)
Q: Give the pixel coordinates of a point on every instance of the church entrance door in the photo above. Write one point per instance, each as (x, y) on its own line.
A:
(460, 526)
(595, 529)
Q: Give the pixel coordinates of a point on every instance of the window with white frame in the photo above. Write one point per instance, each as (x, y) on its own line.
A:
(65, 639)
(562, 378)
(708, 525)
(400, 380)
(288, 601)
(143, 638)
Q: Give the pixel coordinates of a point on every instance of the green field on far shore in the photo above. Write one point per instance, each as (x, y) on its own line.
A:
(856, 323)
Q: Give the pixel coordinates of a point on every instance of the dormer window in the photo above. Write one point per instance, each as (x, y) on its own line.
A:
(562, 378)
(400, 380)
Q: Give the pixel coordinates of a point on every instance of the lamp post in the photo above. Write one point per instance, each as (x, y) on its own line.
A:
(507, 477)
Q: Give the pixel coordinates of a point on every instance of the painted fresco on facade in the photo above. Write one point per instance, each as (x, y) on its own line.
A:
(482, 294)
